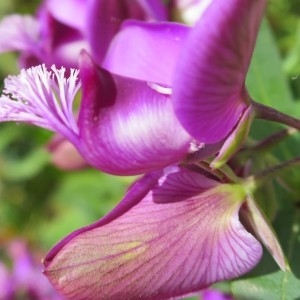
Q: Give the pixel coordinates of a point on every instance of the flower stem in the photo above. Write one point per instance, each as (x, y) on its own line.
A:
(270, 141)
(274, 171)
(271, 114)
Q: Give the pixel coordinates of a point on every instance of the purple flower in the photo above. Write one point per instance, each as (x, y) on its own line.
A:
(124, 125)
(137, 121)
(57, 37)
(5, 282)
(212, 67)
(175, 232)
(213, 294)
(24, 280)
(178, 229)
(204, 66)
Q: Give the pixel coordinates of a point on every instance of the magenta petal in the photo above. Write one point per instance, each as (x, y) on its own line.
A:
(69, 12)
(182, 236)
(126, 126)
(104, 19)
(208, 87)
(213, 294)
(146, 51)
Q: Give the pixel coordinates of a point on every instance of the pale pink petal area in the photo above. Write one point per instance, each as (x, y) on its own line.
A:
(19, 33)
(64, 155)
(180, 237)
(60, 42)
(126, 126)
(208, 89)
(66, 54)
(5, 282)
(146, 51)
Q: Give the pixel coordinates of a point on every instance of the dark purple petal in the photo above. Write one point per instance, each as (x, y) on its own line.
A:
(126, 126)
(155, 9)
(59, 42)
(104, 19)
(146, 51)
(182, 236)
(208, 88)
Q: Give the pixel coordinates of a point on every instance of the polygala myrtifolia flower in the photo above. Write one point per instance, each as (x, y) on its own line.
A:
(203, 67)
(61, 29)
(149, 115)
(56, 37)
(175, 232)
(124, 126)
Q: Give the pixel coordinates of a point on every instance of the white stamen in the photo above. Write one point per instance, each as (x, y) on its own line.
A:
(42, 97)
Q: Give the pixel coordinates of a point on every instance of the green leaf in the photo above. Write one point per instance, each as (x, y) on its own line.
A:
(292, 61)
(268, 84)
(276, 286)
(26, 167)
(81, 198)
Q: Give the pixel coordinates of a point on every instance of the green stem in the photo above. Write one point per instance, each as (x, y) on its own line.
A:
(271, 114)
(273, 171)
(224, 173)
(270, 141)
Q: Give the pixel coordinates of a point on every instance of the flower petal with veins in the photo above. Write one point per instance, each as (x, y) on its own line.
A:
(105, 17)
(180, 237)
(209, 95)
(127, 127)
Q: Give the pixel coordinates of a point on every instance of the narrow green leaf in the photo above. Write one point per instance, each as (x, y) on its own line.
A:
(266, 281)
